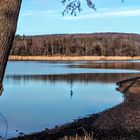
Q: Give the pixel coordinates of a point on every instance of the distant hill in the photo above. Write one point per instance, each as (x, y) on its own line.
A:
(97, 44)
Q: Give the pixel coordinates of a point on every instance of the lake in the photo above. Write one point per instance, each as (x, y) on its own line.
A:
(43, 94)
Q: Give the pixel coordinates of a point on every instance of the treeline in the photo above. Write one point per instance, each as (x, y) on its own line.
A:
(98, 44)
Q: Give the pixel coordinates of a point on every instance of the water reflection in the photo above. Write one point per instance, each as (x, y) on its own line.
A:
(71, 78)
(129, 65)
(71, 90)
(51, 68)
(39, 95)
(32, 103)
(3, 127)
(1, 89)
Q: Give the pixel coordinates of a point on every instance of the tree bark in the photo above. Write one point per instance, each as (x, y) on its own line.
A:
(9, 12)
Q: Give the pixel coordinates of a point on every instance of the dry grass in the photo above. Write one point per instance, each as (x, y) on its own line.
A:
(71, 58)
(86, 137)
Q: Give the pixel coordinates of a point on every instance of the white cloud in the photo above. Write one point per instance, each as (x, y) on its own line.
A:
(87, 14)
(107, 14)
(33, 13)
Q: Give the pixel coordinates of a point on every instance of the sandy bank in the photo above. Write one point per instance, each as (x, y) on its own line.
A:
(71, 58)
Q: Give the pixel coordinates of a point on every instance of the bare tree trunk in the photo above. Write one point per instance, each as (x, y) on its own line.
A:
(9, 11)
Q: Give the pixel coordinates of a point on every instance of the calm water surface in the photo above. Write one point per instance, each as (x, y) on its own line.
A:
(39, 95)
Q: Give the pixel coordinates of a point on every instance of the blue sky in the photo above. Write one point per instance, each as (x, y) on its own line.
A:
(44, 17)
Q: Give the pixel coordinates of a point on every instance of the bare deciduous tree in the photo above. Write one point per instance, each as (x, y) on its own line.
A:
(9, 12)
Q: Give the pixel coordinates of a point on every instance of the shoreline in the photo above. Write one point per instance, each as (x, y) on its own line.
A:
(72, 58)
(116, 123)
(76, 127)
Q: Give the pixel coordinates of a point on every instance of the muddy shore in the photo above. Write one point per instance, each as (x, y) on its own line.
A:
(82, 127)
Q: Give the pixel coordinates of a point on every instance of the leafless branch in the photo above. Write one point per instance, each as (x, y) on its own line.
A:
(74, 6)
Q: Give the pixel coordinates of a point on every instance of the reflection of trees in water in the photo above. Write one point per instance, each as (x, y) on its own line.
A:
(71, 89)
(3, 122)
(86, 77)
(110, 65)
(126, 116)
(1, 89)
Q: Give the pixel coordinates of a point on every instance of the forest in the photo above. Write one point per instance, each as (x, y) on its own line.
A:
(96, 44)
